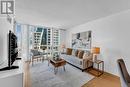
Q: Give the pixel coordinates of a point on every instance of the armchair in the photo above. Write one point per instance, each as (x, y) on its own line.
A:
(124, 75)
(35, 54)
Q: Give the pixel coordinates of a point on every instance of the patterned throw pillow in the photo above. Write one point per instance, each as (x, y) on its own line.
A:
(85, 55)
(80, 54)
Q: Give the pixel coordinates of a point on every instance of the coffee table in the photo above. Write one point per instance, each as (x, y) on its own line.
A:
(58, 63)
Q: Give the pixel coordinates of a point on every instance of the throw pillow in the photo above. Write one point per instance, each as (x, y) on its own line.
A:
(69, 51)
(85, 55)
(76, 53)
(73, 52)
(80, 54)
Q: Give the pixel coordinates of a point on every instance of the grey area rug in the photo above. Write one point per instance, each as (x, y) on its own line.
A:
(43, 75)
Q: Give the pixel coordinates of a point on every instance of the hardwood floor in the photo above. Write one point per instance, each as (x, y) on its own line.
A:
(105, 80)
(27, 79)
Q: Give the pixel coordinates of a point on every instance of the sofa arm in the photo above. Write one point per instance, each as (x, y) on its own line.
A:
(87, 64)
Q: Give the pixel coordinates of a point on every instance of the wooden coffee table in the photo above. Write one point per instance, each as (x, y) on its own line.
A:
(58, 63)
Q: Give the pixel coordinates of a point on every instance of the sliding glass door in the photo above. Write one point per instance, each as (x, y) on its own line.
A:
(43, 39)
(38, 38)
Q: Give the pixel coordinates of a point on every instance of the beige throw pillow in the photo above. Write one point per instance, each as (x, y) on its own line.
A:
(85, 55)
(73, 52)
(80, 54)
(69, 51)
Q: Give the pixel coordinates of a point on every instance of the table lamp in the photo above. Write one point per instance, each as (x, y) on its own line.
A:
(95, 51)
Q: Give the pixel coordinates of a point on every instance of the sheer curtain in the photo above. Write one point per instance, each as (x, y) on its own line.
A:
(21, 31)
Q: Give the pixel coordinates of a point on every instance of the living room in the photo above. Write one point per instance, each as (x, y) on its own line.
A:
(105, 24)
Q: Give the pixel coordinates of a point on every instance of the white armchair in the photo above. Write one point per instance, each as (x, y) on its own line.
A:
(35, 54)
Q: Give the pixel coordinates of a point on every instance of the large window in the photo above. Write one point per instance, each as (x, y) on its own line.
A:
(40, 38)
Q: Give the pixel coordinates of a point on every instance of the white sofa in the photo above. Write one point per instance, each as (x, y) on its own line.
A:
(77, 62)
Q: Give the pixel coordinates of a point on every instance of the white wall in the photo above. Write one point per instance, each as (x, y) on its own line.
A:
(5, 26)
(112, 34)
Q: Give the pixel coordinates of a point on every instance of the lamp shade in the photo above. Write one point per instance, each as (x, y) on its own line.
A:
(95, 50)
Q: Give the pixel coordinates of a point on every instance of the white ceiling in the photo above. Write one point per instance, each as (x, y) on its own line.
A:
(66, 13)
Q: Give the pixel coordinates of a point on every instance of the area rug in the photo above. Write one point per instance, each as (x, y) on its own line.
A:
(43, 75)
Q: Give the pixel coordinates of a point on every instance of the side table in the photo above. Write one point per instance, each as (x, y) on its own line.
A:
(98, 69)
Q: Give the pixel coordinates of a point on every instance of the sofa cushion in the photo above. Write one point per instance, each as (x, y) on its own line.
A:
(87, 53)
(69, 51)
(80, 54)
(81, 63)
(72, 59)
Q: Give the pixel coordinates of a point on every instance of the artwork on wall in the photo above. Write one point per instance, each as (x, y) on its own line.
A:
(81, 40)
